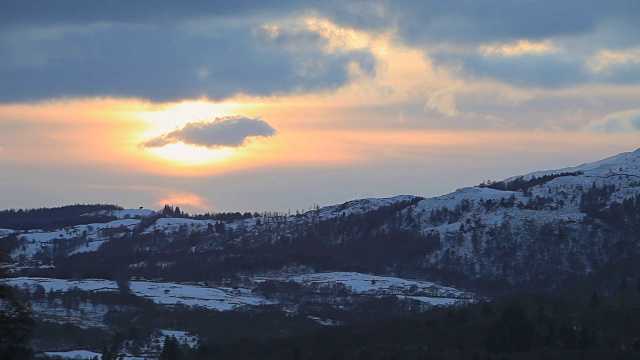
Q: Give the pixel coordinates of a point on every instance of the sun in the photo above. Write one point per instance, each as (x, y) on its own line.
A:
(169, 117)
(187, 155)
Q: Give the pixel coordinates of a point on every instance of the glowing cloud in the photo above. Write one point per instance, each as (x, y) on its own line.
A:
(522, 47)
(230, 131)
(184, 199)
(607, 59)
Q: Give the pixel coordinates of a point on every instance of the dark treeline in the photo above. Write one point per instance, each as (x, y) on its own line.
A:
(169, 210)
(520, 184)
(555, 325)
(15, 318)
(596, 199)
(53, 218)
(525, 326)
(224, 216)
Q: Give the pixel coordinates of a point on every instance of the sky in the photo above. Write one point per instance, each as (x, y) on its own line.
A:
(277, 106)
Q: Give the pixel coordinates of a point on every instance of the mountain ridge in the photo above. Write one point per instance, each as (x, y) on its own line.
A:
(556, 225)
(572, 229)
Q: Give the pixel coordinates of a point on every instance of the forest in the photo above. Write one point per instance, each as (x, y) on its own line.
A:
(531, 325)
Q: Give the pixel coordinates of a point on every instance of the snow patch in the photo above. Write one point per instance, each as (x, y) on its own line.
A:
(362, 284)
(215, 298)
(75, 354)
(5, 232)
(173, 225)
(33, 242)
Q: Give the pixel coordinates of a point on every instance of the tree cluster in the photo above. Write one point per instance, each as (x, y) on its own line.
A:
(520, 184)
(54, 218)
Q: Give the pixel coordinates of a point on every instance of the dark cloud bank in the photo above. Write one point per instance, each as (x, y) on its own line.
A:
(232, 131)
(146, 49)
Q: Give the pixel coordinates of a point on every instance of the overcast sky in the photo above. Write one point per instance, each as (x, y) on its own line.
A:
(248, 106)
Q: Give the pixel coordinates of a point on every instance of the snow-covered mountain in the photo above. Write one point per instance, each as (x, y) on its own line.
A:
(576, 226)
(540, 228)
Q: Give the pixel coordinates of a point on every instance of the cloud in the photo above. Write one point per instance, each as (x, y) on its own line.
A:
(606, 59)
(182, 198)
(621, 65)
(519, 48)
(37, 13)
(473, 22)
(231, 131)
(620, 122)
(546, 70)
(543, 64)
(530, 44)
(196, 59)
(442, 101)
(164, 51)
(418, 21)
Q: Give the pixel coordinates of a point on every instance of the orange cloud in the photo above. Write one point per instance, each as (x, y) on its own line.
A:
(184, 199)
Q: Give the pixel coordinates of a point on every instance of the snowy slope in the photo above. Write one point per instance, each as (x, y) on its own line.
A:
(363, 284)
(562, 196)
(173, 225)
(216, 298)
(75, 354)
(360, 206)
(5, 232)
(224, 298)
(624, 163)
(457, 218)
(88, 237)
(221, 298)
(489, 233)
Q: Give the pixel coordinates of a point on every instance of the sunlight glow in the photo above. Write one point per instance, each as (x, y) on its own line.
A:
(182, 198)
(163, 119)
(186, 155)
(175, 115)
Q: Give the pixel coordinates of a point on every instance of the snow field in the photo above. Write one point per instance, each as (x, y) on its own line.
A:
(222, 299)
(363, 284)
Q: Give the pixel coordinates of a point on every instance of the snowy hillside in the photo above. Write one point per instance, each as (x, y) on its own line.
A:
(522, 229)
(361, 206)
(481, 227)
(217, 298)
(627, 163)
(339, 264)
(363, 284)
(87, 238)
(224, 298)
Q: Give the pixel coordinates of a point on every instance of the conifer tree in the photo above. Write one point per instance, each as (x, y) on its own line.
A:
(170, 349)
(16, 321)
